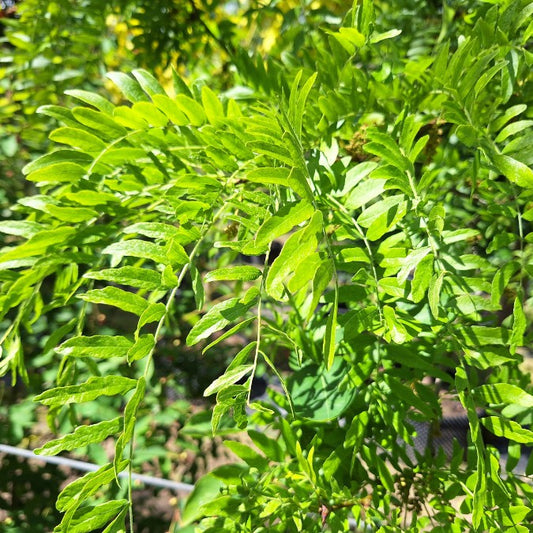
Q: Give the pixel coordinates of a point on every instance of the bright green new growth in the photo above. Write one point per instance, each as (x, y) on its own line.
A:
(398, 181)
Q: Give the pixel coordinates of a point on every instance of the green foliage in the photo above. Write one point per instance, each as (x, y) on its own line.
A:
(390, 160)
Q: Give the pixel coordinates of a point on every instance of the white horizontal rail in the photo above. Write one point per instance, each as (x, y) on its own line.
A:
(91, 467)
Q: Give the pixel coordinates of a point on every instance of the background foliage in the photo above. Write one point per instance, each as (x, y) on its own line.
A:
(334, 198)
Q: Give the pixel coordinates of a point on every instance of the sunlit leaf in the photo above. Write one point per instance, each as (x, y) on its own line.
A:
(85, 392)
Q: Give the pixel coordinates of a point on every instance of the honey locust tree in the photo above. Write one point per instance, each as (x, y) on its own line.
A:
(386, 153)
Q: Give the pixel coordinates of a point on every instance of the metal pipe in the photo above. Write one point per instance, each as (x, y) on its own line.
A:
(91, 467)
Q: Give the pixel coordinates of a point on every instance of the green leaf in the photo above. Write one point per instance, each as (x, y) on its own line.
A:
(476, 336)
(212, 106)
(247, 454)
(512, 516)
(504, 393)
(519, 324)
(59, 113)
(275, 151)
(501, 280)
(129, 118)
(513, 129)
(130, 413)
(356, 430)
(205, 490)
(91, 518)
(127, 301)
(364, 16)
(20, 228)
(176, 254)
(150, 113)
(192, 109)
(238, 273)
(468, 135)
(330, 345)
(197, 286)
(422, 278)
(412, 260)
(148, 83)
(227, 334)
(72, 214)
(385, 147)
(283, 221)
(408, 397)
(514, 170)
(321, 278)
(129, 87)
(79, 490)
(384, 473)
(378, 37)
(269, 175)
(179, 84)
(137, 248)
(86, 392)
(91, 198)
(488, 357)
(154, 230)
(97, 346)
(38, 244)
(270, 447)
(77, 138)
(101, 122)
(298, 99)
(360, 321)
(153, 313)
(218, 317)
(319, 394)
(142, 347)
(356, 175)
(397, 331)
(230, 474)
(508, 114)
(170, 109)
(298, 183)
(56, 157)
(169, 278)
(378, 209)
(92, 99)
(508, 429)
(435, 286)
(364, 193)
(229, 378)
(119, 524)
(82, 436)
(297, 247)
(349, 38)
(66, 172)
(141, 278)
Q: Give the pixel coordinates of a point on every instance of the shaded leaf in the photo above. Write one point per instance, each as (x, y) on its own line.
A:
(205, 490)
(319, 394)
